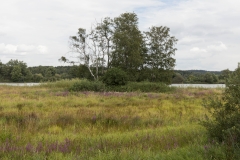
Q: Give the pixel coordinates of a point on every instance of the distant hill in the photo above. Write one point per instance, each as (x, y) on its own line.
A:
(197, 71)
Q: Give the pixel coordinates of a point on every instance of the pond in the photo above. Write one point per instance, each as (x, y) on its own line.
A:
(20, 84)
(173, 85)
(199, 85)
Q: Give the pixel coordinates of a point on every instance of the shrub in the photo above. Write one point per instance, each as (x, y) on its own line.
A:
(98, 86)
(142, 87)
(224, 125)
(65, 83)
(115, 76)
(85, 85)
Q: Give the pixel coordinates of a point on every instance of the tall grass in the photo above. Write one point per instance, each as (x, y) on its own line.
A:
(85, 85)
(43, 122)
(64, 84)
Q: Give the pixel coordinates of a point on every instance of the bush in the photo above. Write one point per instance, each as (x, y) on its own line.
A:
(115, 77)
(85, 85)
(64, 83)
(141, 86)
(224, 125)
(97, 86)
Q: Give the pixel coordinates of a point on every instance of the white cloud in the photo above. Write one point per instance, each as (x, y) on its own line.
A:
(217, 47)
(205, 28)
(25, 48)
(4, 59)
(22, 49)
(190, 40)
(9, 48)
(42, 49)
(198, 50)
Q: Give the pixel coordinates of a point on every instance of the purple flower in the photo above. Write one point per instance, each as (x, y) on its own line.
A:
(29, 147)
(39, 147)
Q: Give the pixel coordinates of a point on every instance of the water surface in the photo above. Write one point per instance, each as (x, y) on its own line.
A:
(20, 84)
(173, 85)
(199, 85)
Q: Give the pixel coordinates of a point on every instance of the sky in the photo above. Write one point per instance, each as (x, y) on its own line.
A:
(37, 31)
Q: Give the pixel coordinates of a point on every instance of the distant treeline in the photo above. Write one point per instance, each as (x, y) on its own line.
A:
(17, 71)
(200, 76)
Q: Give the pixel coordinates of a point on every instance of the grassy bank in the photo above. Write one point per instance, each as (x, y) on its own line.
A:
(50, 122)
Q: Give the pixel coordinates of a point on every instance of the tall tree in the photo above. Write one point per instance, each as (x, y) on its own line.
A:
(103, 32)
(161, 48)
(1, 70)
(50, 72)
(16, 74)
(1, 65)
(14, 68)
(127, 43)
(92, 47)
(119, 43)
(81, 44)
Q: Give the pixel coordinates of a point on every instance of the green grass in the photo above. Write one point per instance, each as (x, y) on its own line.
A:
(50, 122)
(64, 84)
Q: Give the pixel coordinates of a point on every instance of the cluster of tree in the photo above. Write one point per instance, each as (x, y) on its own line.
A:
(118, 43)
(17, 71)
(50, 73)
(200, 76)
(115, 43)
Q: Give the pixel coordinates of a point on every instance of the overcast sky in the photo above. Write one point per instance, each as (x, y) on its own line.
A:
(37, 31)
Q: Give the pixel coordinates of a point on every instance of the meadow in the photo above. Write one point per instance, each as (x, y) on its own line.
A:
(50, 122)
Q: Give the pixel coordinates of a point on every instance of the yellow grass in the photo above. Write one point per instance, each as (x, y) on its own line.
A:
(106, 123)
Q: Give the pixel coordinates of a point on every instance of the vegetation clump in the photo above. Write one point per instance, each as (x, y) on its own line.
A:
(86, 85)
(99, 86)
(115, 77)
(224, 123)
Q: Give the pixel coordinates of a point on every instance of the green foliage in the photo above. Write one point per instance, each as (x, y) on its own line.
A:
(15, 71)
(37, 77)
(202, 76)
(81, 72)
(178, 78)
(63, 84)
(119, 43)
(50, 72)
(104, 32)
(215, 151)
(141, 86)
(98, 86)
(225, 74)
(225, 122)
(210, 78)
(115, 76)
(5, 135)
(2, 66)
(85, 85)
(16, 74)
(160, 46)
(127, 43)
(156, 75)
